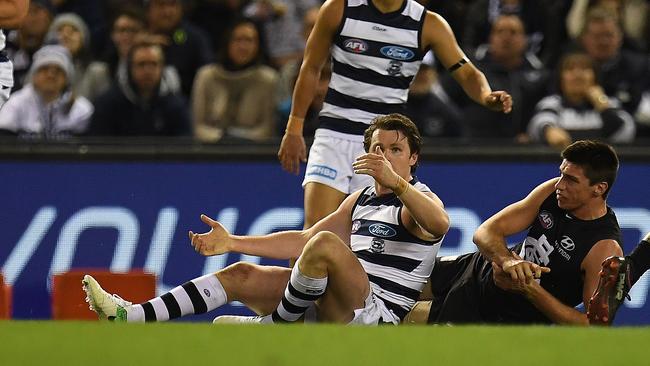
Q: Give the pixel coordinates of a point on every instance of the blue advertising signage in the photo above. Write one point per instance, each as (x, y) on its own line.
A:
(58, 216)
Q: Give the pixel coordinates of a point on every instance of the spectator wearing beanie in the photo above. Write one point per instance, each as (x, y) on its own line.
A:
(46, 107)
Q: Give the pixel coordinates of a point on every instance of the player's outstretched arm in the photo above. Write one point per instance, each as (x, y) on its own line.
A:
(490, 237)
(280, 245)
(439, 37)
(12, 12)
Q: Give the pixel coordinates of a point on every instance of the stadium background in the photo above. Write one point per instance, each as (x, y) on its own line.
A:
(88, 206)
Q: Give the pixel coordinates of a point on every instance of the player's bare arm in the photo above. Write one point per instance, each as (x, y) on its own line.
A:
(317, 51)
(281, 245)
(592, 265)
(438, 36)
(491, 236)
(12, 12)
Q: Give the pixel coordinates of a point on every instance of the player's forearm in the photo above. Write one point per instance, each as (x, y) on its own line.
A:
(12, 12)
(303, 94)
(553, 308)
(429, 214)
(492, 244)
(474, 83)
(281, 245)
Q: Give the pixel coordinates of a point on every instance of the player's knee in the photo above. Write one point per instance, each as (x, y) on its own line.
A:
(236, 273)
(322, 245)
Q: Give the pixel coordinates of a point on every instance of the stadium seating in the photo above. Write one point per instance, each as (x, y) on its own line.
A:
(5, 299)
(68, 297)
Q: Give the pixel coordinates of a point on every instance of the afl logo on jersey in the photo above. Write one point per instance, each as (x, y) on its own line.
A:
(355, 45)
(356, 224)
(397, 53)
(382, 230)
(546, 219)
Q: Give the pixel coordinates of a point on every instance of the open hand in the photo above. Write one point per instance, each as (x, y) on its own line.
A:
(214, 241)
(377, 166)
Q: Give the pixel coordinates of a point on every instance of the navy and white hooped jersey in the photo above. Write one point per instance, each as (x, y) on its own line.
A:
(375, 57)
(397, 262)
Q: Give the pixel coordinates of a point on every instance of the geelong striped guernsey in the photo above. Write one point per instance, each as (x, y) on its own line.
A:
(398, 263)
(375, 57)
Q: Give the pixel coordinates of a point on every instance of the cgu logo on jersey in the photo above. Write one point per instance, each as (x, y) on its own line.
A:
(382, 230)
(546, 219)
(397, 53)
(355, 45)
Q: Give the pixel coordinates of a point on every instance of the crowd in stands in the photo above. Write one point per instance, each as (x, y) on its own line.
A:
(225, 69)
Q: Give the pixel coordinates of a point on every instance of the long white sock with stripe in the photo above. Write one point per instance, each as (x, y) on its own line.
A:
(197, 296)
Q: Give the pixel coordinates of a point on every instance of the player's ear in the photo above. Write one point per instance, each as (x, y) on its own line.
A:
(413, 159)
(600, 188)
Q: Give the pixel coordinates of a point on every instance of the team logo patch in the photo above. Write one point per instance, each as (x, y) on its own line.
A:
(546, 219)
(323, 171)
(397, 53)
(394, 68)
(206, 292)
(382, 230)
(356, 224)
(355, 45)
(567, 243)
(377, 245)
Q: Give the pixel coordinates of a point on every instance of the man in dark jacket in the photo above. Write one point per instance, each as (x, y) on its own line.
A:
(141, 104)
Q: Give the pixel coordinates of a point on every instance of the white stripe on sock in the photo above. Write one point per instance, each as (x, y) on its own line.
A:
(160, 309)
(217, 294)
(183, 300)
(135, 313)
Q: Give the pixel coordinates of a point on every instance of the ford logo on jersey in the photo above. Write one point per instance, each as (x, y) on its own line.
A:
(355, 45)
(397, 53)
(382, 230)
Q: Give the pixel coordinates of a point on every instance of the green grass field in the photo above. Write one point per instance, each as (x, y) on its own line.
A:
(91, 343)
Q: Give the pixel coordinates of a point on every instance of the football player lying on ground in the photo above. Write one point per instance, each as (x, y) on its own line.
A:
(571, 231)
(366, 263)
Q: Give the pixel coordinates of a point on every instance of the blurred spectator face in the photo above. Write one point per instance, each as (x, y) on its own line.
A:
(507, 38)
(49, 81)
(124, 32)
(602, 39)
(164, 15)
(576, 75)
(35, 27)
(146, 68)
(71, 38)
(244, 44)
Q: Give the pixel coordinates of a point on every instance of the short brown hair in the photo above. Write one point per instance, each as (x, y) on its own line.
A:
(395, 122)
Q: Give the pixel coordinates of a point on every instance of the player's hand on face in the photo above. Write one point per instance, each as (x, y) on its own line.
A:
(499, 101)
(292, 152)
(214, 241)
(376, 165)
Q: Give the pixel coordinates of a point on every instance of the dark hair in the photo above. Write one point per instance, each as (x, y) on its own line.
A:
(395, 122)
(144, 44)
(597, 159)
(572, 57)
(224, 58)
